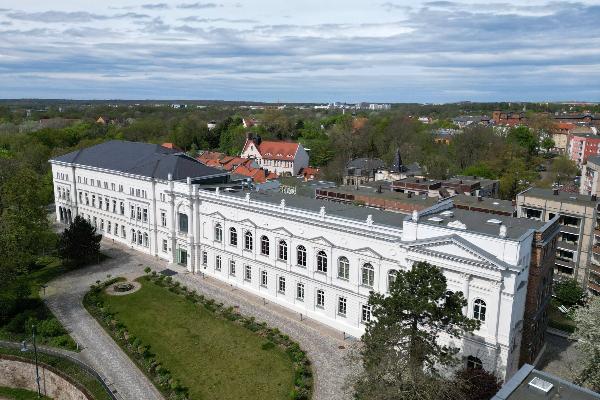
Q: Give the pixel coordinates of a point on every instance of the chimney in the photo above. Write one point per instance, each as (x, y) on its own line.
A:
(555, 192)
(258, 140)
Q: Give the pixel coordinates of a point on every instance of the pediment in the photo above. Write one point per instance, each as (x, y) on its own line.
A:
(368, 252)
(282, 231)
(454, 247)
(247, 222)
(321, 240)
(216, 214)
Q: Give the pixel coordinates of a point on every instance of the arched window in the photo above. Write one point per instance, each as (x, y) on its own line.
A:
(133, 236)
(474, 363)
(139, 235)
(479, 310)
(183, 221)
(232, 237)
(282, 253)
(248, 242)
(218, 233)
(367, 275)
(145, 239)
(264, 245)
(343, 268)
(321, 261)
(392, 273)
(301, 256)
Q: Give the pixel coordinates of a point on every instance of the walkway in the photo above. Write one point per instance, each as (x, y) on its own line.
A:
(64, 296)
(325, 347)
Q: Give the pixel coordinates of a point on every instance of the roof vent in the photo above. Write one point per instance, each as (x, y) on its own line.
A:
(435, 219)
(494, 221)
(541, 384)
(447, 213)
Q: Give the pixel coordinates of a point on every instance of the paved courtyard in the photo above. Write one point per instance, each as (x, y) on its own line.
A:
(325, 347)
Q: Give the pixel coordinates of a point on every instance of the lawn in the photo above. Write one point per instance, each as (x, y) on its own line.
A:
(19, 394)
(213, 357)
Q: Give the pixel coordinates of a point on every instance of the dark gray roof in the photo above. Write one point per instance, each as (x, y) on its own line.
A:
(144, 159)
(519, 388)
(476, 221)
(366, 163)
(358, 213)
(594, 159)
(565, 197)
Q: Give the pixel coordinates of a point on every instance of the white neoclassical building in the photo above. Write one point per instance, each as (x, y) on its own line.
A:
(315, 257)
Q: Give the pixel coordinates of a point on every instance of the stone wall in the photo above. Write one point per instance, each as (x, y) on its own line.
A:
(18, 373)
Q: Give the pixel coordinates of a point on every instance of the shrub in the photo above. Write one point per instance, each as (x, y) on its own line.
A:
(268, 346)
(50, 327)
(569, 292)
(147, 270)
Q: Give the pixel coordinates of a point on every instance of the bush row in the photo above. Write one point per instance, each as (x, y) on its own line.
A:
(303, 379)
(171, 388)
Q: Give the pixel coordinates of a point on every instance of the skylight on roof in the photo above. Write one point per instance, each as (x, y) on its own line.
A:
(495, 203)
(494, 221)
(447, 213)
(435, 219)
(541, 384)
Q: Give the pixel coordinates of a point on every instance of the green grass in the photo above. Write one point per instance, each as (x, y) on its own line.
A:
(19, 394)
(67, 367)
(213, 357)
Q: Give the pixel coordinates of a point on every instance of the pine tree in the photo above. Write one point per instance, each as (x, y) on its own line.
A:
(79, 244)
(401, 354)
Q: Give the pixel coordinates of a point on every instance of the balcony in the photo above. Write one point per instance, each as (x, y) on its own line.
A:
(564, 263)
(595, 269)
(594, 287)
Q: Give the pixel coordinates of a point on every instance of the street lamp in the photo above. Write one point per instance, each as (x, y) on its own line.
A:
(25, 349)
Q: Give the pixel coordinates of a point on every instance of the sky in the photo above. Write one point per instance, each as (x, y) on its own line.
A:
(301, 51)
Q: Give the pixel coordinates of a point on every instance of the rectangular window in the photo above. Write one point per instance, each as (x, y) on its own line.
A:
(132, 211)
(123, 233)
(93, 200)
(112, 186)
(100, 202)
(366, 313)
(248, 273)
(120, 188)
(163, 218)
(320, 298)
(145, 215)
(139, 213)
(263, 278)
(164, 247)
(281, 286)
(342, 306)
(218, 265)
(107, 204)
(300, 291)
(122, 208)
(101, 224)
(108, 225)
(116, 229)
(114, 203)
(183, 223)
(95, 221)
(204, 258)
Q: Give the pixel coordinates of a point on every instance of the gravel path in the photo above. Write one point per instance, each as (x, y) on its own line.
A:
(64, 295)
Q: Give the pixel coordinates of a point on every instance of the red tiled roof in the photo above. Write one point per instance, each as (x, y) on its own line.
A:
(310, 171)
(210, 155)
(565, 125)
(170, 146)
(258, 175)
(273, 150)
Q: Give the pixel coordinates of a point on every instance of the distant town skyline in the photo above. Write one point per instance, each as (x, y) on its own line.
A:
(309, 51)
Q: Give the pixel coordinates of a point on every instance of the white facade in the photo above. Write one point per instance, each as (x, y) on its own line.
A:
(274, 162)
(221, 234)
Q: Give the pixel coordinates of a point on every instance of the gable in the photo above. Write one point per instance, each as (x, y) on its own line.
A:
(321, 240)
(368, 252)
(454, 247)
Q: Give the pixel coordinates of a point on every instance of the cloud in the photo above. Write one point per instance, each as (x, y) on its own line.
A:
(68, 17)
(198, 5)
(155, 6)
(195, 18)
(438, 51)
